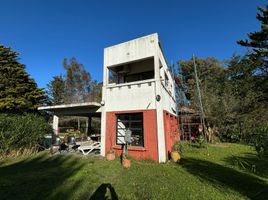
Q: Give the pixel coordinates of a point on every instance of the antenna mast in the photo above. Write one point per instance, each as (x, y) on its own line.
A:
(200, 105)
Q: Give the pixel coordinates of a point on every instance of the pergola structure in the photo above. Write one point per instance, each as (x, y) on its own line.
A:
(88, 109)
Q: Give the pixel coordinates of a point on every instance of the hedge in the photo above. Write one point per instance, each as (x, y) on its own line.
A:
(21, 133)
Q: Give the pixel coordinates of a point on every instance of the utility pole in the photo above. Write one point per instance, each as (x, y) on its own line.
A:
(200, 105)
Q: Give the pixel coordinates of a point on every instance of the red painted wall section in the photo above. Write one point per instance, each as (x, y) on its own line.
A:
(172, 134)
(150, 149)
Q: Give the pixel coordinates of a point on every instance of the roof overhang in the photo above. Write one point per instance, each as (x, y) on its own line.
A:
(75, 109)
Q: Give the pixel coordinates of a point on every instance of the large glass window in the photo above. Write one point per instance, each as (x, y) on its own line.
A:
(134, 122)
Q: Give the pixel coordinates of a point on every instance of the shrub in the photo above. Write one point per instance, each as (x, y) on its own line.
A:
(200, 140)
(230, 135)
(259, 139)
(21, 133)
(176, 146)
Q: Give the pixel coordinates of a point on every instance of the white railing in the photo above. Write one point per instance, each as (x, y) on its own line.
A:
(138, 95)
(112, 85)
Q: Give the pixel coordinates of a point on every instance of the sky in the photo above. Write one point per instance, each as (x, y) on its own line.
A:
(45, 32)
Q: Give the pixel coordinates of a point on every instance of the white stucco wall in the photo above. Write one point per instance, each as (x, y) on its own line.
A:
(169, 103)
(168, 91)
(136, 49)
(131, 96)
(139, 95)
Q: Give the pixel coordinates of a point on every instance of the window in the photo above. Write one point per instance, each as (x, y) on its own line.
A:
(166, 80)
(134, 122)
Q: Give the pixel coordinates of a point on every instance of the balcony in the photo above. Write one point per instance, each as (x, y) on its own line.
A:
(138, 95)
(132, 72)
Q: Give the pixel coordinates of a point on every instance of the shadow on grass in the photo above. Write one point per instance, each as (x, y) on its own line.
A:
(221, 177)
(39, 177)
(102, 194)
(251, 163)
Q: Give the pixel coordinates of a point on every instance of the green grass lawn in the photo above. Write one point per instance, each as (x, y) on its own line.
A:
(227, 173)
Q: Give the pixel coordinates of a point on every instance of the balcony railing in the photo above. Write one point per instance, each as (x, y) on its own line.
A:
(113, 85)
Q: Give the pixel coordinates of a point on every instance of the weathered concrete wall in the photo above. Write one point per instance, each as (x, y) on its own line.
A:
(168, 91)
(169, 103)
(146, 65)
(131, 96)
(132, 50)
(135, 96)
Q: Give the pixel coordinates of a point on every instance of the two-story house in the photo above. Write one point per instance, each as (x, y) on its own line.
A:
(138, 94)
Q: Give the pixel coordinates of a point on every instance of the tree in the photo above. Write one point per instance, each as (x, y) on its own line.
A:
(258, 41)
(18, 92)
(258, 44)
(56, 89)
(77, 82)
(256, 75)
(233, 101)
(95, 91)
(256, 79)
(210, 73)
(240, 91)
(211, 76)
(76, 86)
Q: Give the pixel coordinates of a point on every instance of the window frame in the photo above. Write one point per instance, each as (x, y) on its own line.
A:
(129, 121)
